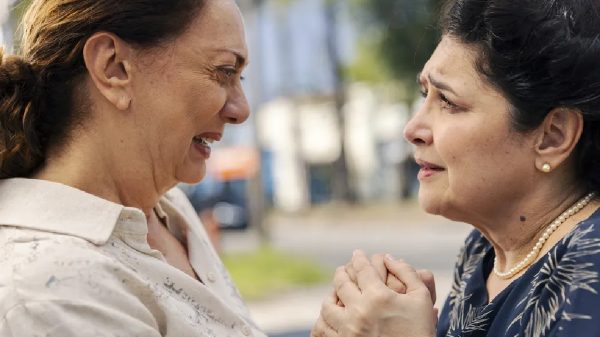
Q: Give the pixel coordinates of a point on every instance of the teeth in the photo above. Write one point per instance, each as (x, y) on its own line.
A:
(204, 140)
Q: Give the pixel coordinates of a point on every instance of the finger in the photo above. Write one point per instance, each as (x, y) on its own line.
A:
(379, 265)
(346, 290)
(335, 299)
(366, 275)
(395, 284)
(429, 280)
(332, 314)
(322, 329)
(351, 271)
(405, 273)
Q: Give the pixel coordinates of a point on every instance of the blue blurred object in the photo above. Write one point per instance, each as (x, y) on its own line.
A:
(225, 199)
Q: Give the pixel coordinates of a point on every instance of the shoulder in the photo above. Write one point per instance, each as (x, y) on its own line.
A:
(565, 291)
(574, 263)
(39, 266)
(581, 246)
(47, 280)
(585, 231)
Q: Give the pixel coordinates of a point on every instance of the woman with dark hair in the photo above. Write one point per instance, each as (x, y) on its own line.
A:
(508, 140)
(110, 105)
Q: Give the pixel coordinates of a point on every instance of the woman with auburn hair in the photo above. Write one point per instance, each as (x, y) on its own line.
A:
(508, 140)
(111, 104)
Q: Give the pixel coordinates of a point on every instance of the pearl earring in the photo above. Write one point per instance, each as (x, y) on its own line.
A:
(546, 168)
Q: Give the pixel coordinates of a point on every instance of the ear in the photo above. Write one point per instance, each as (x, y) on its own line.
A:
(559, 134)
(107, 59)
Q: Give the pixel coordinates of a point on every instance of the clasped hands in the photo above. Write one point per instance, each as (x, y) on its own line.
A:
(378, 297)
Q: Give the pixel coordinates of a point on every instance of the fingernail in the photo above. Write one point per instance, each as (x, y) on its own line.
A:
(389, 257)
(355, 252)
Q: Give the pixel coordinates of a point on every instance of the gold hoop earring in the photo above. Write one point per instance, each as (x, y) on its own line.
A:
(546, 168)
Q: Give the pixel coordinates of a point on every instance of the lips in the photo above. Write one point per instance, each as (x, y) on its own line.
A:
(429, 166)
(203, 141)
(428, 169)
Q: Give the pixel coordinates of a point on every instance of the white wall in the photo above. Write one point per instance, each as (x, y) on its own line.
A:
(5, 28)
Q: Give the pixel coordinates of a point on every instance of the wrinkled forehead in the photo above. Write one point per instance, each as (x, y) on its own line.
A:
(219, 26)
(456, 62)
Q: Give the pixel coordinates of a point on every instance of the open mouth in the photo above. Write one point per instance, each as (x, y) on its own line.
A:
(204, 141)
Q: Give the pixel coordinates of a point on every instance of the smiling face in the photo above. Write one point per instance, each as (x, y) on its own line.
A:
(187, 90)
(472, 161)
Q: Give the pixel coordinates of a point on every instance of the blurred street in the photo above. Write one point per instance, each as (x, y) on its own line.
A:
(330, 233)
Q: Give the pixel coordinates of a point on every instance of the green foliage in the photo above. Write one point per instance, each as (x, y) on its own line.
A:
(368, 66)
(267, 271)
(409, 34)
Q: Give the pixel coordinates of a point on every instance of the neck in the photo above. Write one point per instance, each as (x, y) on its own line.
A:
(112, 175)
(515, 233)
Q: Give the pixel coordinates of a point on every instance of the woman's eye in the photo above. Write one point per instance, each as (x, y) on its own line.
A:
(228, 72)
(229, 75)
(446, 103)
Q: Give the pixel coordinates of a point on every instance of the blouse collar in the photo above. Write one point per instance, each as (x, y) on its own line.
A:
(54, 207)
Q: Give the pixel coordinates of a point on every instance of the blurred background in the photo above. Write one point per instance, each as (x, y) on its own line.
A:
(321, 167)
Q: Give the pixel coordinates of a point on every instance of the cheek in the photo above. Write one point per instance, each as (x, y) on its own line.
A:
(201, 99)
(473, 160)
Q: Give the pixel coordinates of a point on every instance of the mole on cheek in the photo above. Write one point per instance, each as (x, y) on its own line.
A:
(522, 218)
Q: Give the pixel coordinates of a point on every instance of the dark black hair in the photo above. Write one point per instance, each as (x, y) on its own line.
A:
(541, 54)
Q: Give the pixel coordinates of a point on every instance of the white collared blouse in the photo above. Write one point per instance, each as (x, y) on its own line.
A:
(73, 264)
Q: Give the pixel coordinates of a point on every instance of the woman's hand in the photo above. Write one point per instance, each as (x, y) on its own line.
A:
(392, 282)
(378, 262)
(369, 308)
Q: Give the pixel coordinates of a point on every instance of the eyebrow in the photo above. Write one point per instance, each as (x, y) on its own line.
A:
(436, 83)
(240, 60)
(441, 85)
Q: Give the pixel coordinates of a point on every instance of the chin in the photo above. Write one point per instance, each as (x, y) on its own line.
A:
(192, 176)
(429, 202)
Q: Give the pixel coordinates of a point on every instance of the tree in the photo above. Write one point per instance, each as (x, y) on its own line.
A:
(341, 184)
(408, 36)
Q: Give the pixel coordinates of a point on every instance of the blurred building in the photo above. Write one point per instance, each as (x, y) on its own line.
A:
(291, 84)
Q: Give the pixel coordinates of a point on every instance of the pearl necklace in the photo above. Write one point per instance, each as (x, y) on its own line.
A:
(540, 243)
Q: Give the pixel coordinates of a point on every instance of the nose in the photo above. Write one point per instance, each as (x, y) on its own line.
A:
(418, 129)
(236, 109)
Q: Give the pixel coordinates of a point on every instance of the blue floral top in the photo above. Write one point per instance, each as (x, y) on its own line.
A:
(557, 296)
